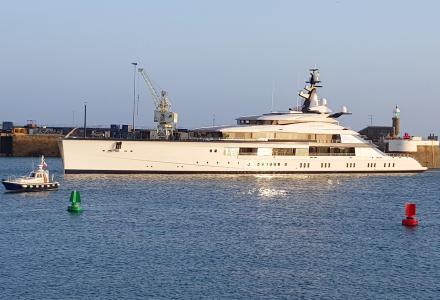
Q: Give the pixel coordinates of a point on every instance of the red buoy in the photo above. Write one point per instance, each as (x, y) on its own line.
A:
(410, 212)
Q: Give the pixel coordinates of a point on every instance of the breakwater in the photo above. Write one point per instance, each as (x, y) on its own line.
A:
(30, 145)
(427, 156)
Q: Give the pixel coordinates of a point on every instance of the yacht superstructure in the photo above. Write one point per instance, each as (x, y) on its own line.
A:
(306, 139)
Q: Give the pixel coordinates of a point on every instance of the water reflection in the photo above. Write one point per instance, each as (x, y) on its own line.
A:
(185, 177)
(28, 195)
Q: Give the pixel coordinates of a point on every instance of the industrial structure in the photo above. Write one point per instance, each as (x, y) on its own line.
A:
(166, 119)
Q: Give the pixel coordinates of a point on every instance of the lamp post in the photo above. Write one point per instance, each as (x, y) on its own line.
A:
(85, 120)
(134, 95)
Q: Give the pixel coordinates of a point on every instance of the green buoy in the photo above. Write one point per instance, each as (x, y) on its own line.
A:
(75, 202)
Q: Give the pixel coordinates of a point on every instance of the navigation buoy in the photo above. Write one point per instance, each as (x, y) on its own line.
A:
(410, 212)
(75, 202)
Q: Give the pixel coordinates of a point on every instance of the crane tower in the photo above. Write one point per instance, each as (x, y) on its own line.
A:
(166, 119)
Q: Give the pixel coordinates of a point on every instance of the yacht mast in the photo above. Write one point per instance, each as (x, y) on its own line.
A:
(310, 91)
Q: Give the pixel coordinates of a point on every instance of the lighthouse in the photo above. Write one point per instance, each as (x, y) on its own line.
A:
(396, 122)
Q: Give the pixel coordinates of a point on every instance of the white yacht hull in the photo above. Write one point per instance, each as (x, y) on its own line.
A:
(101, 156)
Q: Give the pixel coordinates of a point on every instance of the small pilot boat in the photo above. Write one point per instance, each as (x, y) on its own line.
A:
(37, 180)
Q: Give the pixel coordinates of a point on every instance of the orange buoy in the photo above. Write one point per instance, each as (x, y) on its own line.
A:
(410, 212)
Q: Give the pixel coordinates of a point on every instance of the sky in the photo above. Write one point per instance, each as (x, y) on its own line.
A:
(218, 60)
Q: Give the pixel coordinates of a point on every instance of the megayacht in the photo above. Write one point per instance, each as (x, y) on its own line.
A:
(304, 139)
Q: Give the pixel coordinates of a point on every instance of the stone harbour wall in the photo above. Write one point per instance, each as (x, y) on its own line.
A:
(35, 145)
(428, 156)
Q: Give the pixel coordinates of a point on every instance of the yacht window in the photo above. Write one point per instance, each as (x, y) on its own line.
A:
(248, 151)
(265, 151)
(300, 165)
(231, 151)
(393, 165)
(302, 152)
(262, 135)
(283, 151)
(308, 165)
(331, 151)
(384, 165)
(32, 175)
(322, 165)
(118, 145)
(237, 135)
(329, 165)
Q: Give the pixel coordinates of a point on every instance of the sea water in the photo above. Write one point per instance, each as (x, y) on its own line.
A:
(217, 236)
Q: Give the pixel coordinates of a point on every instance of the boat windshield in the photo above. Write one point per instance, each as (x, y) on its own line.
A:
(32, 174)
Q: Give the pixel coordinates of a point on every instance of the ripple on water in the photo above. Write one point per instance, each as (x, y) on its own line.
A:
(232, 236)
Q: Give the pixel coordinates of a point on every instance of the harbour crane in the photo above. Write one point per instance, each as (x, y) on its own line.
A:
(166, 119)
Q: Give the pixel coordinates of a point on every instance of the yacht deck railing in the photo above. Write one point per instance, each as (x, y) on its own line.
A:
(332, 154)
(398, 154)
